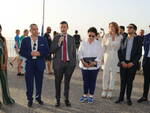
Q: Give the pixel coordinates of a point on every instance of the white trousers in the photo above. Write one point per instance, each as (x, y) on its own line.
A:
(109, 77)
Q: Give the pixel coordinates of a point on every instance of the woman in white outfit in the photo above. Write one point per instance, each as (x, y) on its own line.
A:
(111, 44)
(90, 54)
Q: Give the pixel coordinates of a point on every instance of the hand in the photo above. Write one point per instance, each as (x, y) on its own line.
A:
(35, 53)
(124, 65)
(130, 64)
(38, 53)
(92, 64)
(85, 64)
(61, 39)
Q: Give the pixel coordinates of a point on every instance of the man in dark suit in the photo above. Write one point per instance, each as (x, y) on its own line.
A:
(34, 49)
(146, 69)
(77, 39)
(129, 55)
(63, 48)
(48, 58)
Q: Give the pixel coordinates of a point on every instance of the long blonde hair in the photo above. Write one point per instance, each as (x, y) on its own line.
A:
(115, 26)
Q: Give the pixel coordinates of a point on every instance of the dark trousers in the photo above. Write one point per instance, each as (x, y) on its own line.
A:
(146, 69)
(127, 76)
(33, 74)
(66, 70)
(89, 80)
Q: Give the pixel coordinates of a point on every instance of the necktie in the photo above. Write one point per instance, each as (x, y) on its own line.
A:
(64, 49)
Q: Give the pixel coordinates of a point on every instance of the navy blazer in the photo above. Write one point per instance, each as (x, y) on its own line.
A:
(136, 51)
(146, 46)
(26, 50)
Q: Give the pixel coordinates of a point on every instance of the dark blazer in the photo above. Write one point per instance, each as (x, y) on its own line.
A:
(56, 50)
(136, 51)
(26, 50)
(146, 46)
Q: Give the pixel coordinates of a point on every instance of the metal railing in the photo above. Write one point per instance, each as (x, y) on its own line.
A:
(10, 47)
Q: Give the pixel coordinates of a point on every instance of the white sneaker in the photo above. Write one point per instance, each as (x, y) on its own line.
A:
(104, 94)
(109, 95)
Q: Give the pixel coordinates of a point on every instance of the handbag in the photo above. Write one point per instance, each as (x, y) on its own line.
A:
(89, 60)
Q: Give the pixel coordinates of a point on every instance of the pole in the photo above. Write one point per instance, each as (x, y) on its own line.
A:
(42, 32)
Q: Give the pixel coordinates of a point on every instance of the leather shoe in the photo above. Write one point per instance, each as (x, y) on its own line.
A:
(30, 104)
(57, 104)
(67, 102)
(119, 101)
(40, 102)
(129, 102)
(142, 99)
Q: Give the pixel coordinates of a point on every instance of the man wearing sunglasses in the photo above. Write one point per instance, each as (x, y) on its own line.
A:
(129, 55)
(146, 68)
(34, 49)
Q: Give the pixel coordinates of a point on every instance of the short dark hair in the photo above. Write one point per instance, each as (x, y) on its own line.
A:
(32, 25)
(122, 27)
(26, 30)
(134, 26)
(92, 29)
(17, 30)
(0, 26)
(64, 22)
(76, 31)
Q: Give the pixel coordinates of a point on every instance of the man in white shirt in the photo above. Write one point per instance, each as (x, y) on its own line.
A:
(63, 46)
(34, 49)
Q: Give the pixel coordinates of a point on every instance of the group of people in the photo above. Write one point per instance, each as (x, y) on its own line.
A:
(114, 49)
(21, 60)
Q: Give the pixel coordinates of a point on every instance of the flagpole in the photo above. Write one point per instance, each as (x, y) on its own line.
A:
(42, 32)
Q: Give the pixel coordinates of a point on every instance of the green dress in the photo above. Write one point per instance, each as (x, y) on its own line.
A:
(3, 77)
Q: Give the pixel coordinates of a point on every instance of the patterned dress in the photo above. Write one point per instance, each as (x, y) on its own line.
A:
(110, 60)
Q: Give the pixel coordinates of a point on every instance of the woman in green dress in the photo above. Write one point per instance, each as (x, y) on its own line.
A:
(3, 71)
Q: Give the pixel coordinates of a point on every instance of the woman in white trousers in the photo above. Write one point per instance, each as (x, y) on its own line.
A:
(111, 45)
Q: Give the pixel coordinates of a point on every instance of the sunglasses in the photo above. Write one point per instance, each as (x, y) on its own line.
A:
(34, 46)
(91, 36)
(130, 27)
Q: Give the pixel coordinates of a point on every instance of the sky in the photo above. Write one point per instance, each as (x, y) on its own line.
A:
(80, 14)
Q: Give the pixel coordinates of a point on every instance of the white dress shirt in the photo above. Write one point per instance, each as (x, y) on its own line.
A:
(90, 50)
(36, 47)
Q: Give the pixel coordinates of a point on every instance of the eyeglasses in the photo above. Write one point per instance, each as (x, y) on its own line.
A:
(34, 46)
(91, 36)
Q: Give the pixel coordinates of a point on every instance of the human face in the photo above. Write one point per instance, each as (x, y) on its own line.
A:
(91, 36)
(112, 28)
(141, 33)
(121, 30)
(18, 32)
(49, 30)
(34, 30)
(64, 28)
(130, 29)
(26, 33)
